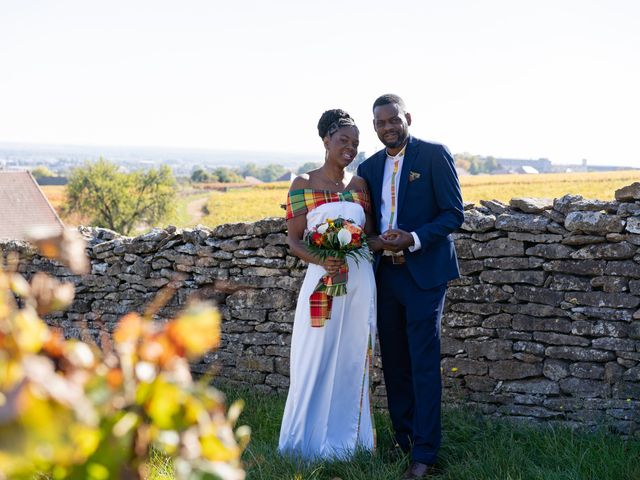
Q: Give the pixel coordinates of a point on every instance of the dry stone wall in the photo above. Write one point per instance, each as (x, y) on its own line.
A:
(544, 323)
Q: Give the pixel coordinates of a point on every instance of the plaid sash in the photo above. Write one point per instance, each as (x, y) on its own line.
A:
(321, 299)
(303, 200)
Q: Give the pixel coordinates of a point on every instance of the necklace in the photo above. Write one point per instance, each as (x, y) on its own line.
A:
(337, 184)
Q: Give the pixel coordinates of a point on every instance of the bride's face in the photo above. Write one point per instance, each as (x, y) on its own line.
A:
(342, 146)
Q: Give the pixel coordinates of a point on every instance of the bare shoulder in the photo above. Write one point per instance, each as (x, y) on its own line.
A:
(359, 183)
(300, 182)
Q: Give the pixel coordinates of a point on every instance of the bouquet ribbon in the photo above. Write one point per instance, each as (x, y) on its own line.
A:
(321, 299)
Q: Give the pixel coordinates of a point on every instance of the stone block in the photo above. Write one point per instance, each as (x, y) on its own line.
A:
(500, 247)
(578, 240)
(552, 338)
(625, 268)
(584, 388)
(532, 277)
(478, 293)
(607, 251)
(551, 251)
(529, 347)
(513, 370)
(600, 328)
(531, 205)
(591, 371)
(489, 349)
(457, 367)
(555, 369)
(628, 193)
(522, 222)
(470, 266)
(502, 320)
(453, 319)
(579, 354)
(535, 237)
(603, 299)
(534, 386)
(538, 295)
(563, 282)
(475, 221)
(529, 323)
(611, 284)
(481, 308)
(479, 384)
(593, 222)
(576, 267)
(608, 343)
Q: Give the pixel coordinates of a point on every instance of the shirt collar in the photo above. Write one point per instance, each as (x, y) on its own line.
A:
(399, 155)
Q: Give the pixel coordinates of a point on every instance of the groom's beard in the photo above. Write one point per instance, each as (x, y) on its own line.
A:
(395, 144)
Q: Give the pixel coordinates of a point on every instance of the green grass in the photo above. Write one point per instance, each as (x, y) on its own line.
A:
(474, 448)
(181, 217)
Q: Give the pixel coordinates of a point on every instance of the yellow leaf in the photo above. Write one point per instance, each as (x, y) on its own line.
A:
(129, 329)
(197, 330)
(30, 332)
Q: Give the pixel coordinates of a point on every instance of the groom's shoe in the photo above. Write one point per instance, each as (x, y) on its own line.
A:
(417, 471)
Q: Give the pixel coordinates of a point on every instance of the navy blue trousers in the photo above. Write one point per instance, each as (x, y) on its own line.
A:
(409, 333)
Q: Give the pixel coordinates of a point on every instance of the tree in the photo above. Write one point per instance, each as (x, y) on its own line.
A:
(271, 172)
(226, 175)
(200, 175)
(41, 171)
(307, 167)
(119, 200)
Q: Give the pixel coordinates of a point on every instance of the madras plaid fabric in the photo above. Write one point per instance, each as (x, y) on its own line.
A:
(364, 377)
(303, 200)
(321, 300)
(396, 165)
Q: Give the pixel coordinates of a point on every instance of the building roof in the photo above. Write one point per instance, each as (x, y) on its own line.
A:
(287, 177)
(23, 206)
(527, 169)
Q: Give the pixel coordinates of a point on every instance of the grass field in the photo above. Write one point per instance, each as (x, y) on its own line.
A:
(473, 448)
(551, 185)
(264, 201)
(253, 203)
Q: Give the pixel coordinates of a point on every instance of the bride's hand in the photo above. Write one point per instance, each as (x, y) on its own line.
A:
(332, 265)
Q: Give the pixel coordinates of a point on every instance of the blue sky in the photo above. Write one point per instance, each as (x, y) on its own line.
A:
(556, 79)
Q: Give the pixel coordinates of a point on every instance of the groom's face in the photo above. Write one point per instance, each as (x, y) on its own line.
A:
(391, 124)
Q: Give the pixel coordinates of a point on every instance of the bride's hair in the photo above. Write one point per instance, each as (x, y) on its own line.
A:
(332, 120)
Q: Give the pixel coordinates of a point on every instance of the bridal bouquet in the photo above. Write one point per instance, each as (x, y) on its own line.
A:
(340, 238)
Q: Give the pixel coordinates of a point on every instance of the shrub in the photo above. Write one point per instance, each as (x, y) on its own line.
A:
(72, 410)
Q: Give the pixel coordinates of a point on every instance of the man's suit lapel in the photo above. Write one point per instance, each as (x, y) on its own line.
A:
(376, 182)
(410, 155)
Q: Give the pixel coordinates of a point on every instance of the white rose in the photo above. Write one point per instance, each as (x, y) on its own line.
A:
(322, 228)
(344, 237)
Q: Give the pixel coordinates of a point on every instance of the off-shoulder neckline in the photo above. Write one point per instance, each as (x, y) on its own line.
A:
(356, 190)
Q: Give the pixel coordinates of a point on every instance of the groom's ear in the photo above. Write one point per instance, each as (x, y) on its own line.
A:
(408, 117)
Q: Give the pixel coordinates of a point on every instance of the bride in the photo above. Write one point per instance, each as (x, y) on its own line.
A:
(328, 413)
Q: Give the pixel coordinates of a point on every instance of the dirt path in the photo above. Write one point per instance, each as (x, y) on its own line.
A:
(194, 209)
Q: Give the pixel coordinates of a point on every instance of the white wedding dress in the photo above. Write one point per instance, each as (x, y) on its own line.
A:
(328, 413)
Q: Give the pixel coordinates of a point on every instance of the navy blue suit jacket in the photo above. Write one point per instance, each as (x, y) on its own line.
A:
(430, 205)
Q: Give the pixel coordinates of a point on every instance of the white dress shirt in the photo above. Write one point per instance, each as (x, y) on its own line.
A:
(385, 206)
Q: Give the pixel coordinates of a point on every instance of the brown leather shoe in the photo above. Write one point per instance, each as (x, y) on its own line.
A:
(417, 471)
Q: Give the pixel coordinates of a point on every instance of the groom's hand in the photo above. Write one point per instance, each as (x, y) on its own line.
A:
(396, 240)
(375, 243)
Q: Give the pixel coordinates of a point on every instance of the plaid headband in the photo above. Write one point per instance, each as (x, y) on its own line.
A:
(341, 122)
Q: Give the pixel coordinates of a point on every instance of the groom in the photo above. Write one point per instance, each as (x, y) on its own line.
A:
(417, 204)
